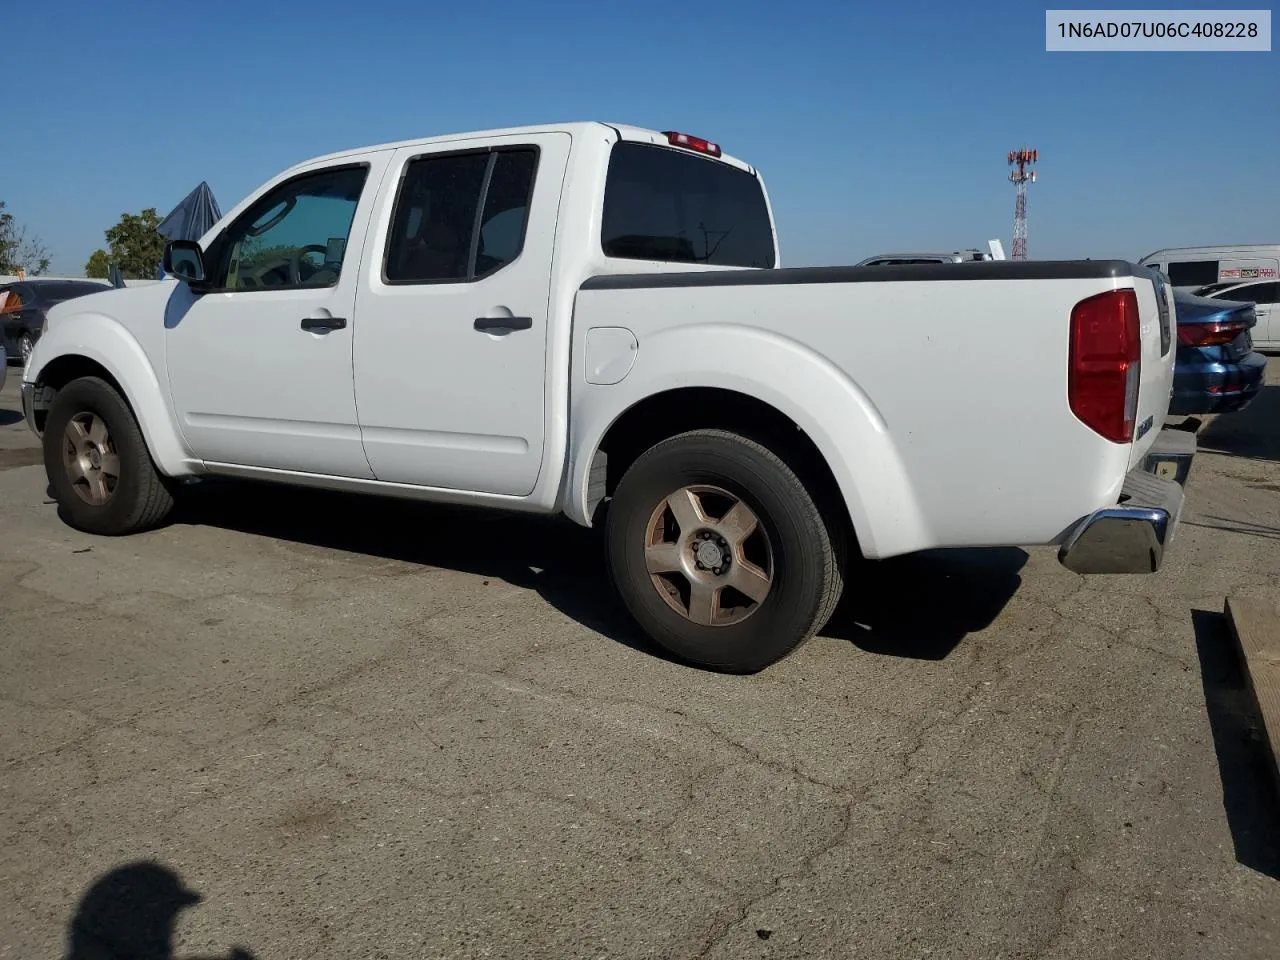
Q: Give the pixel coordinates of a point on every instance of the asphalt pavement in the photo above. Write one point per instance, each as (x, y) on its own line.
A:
(367, 729)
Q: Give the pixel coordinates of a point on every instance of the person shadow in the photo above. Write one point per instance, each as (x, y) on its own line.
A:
(130, 913)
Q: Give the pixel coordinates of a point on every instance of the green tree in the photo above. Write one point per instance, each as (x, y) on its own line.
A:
(19, 251)
(99, 265)
(136, 247)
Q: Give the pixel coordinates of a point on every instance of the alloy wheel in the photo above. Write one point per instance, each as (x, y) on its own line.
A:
(90, 457)
(708, 555)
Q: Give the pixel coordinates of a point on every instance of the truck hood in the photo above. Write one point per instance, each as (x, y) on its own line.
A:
(126, 305)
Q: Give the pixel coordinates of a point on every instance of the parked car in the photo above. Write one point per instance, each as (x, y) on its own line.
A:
(1265, 297)
(588, 319)
(24, 303)
(1216, 369)
(897, 259)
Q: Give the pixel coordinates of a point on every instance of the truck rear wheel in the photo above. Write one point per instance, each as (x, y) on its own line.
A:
(720, 552)
(98, 464)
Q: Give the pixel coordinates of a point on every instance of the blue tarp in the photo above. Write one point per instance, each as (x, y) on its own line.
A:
(192, 218)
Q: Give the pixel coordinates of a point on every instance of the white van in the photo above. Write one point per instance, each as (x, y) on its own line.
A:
(1190, 268)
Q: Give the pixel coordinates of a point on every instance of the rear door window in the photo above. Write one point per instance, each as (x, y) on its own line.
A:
(460, 216)
(669, 205)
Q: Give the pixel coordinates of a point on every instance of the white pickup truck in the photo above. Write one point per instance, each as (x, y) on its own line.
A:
(590, 319)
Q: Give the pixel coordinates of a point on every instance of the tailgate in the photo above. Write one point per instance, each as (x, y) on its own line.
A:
(1159, 345)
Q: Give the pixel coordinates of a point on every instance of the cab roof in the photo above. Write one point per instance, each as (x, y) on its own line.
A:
(623, 131)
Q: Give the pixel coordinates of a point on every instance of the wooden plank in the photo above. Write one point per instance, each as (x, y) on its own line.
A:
(1255, 624)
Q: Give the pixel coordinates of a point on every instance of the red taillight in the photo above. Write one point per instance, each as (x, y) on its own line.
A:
(1210, 334)
(1105, 363)
(692, 143)
(10, 302)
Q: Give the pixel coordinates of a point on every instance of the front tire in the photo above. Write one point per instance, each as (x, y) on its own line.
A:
(98, 464)
(720, 552)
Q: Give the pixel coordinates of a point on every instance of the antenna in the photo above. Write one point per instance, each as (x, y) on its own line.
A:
(1022, 160)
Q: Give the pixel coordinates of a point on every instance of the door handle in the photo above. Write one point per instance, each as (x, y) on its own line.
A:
(323, 324)
(489, 324)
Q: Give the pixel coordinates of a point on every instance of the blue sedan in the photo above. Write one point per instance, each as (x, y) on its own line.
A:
(1216, 369)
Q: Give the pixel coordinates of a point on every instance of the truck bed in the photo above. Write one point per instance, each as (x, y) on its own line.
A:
(958, 430)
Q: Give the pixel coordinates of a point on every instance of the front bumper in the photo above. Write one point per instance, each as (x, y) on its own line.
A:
(1132, 535)
(29, 406)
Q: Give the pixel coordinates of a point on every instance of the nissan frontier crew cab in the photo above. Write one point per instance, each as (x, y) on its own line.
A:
(592, 319)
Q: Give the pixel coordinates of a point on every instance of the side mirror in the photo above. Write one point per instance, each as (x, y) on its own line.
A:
(183, 259)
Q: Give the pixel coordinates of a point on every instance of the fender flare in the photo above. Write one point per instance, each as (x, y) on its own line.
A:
(106, 342)
(837, 415)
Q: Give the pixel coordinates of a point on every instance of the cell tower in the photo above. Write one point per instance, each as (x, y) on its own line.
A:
(1022, 160)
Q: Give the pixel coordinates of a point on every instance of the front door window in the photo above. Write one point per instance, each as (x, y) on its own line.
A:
(294, 238)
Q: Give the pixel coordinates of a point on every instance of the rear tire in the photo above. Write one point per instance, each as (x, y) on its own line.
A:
(704, 590)
(97, 462)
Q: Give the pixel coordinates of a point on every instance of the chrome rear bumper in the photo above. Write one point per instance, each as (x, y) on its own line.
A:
(1131, 536)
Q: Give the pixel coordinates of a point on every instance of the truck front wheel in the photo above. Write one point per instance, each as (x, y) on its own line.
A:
(720, 552)
(98, 464)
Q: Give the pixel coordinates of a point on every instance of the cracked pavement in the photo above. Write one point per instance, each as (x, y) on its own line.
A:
(374, 729)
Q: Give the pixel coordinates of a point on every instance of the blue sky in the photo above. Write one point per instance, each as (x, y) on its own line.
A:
(876, 128)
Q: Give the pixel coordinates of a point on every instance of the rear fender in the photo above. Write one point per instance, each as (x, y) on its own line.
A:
(831, 409)
(109, 344)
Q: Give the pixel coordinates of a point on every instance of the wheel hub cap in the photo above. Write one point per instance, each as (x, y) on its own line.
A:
(90, 458)
(708, 555)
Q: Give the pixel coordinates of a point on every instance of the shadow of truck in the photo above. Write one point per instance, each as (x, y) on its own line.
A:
(920, 606)
(1252, 433)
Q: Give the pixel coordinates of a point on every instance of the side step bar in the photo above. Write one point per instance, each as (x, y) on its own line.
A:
(1170, 456)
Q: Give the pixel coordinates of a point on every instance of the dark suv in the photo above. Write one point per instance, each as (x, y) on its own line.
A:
(22, 308)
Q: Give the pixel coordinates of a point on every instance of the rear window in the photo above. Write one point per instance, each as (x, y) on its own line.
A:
(665, 204)
(1193, 273)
